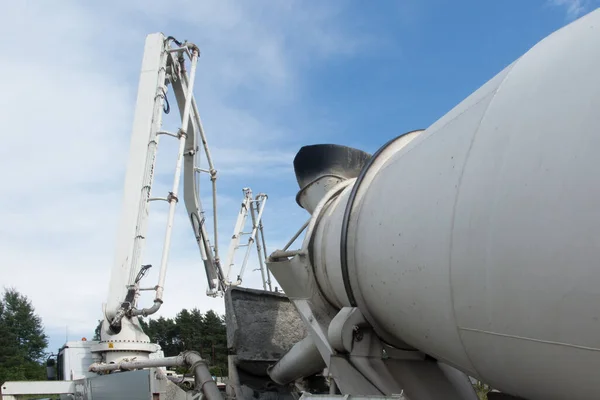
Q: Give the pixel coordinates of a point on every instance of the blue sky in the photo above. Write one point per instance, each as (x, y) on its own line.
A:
(273, 76)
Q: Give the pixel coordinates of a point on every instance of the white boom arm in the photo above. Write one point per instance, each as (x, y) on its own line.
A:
(140, 173)
(254, 206)
(162, 65)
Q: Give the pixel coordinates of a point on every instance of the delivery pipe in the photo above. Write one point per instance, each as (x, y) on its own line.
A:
(176, 361)
(302, 360)
(477, 240)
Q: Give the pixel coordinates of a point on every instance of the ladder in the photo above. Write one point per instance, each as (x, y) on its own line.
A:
(255, 208)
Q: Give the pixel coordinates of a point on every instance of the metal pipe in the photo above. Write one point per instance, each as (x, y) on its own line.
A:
(234, 378)
(285, 254)
(167, 133)
(293, 239)
(142, 220)
(211, 263)
(260, 244)
(173, 198)
(176, 361)
(211, 170)
(302, 360)
(179, 50)
(213, 179)
(258, 248)
(147, 311)
(264, 246)
(202, 377)
(332, 386)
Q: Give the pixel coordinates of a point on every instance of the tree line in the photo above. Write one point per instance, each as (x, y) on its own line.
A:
(23, 342)
(189, 330)
(22, 339)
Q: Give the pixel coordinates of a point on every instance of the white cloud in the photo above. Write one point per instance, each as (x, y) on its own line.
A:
(573, 8)
(70, 79)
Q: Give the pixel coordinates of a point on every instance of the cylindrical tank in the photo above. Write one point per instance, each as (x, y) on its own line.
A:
(478, 241)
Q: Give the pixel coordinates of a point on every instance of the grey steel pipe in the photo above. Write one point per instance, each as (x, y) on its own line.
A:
(173, 200)
(176, 361)
(302, 360)
(147, 311)
(202, 377)
(296, 235)
(234, 389)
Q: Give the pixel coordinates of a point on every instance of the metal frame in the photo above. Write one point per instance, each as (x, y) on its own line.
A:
(255, 207)
(12, 390)
(163, 65)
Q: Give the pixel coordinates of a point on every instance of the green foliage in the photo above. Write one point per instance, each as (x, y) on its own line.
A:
(482, 390)
(217, 371)
(97, 330)
(192, 330)
(22, 339)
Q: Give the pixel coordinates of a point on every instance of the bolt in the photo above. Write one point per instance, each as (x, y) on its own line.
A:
(358, 335)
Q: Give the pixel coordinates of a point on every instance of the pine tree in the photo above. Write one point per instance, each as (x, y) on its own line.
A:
(214, 336)
(165, 332)
(22, 339)
(97, 330)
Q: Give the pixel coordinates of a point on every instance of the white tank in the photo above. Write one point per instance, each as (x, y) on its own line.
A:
(478, 242)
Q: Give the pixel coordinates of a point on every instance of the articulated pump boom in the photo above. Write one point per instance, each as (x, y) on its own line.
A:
(124, 363)
(163, 66)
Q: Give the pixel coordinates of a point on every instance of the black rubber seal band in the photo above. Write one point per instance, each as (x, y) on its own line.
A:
(348, 212)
